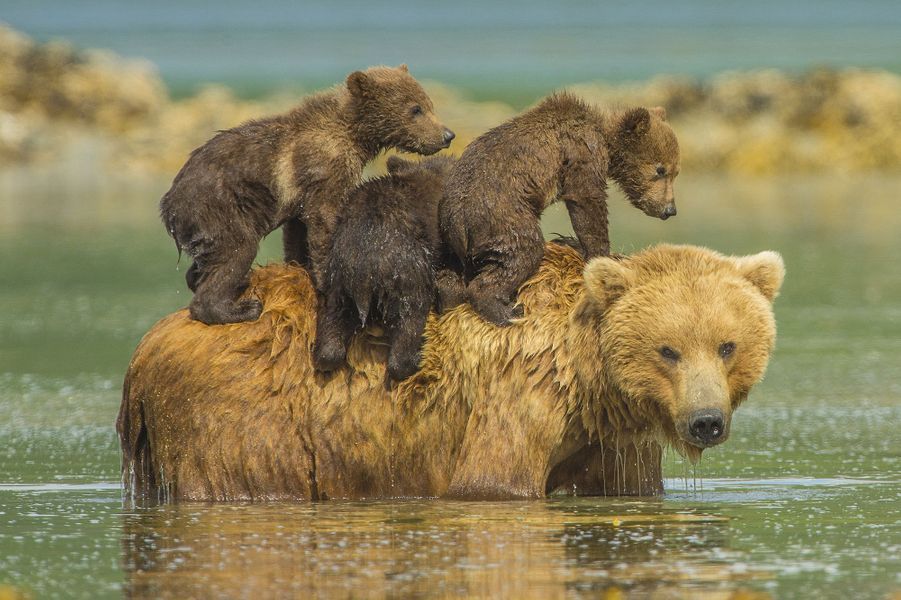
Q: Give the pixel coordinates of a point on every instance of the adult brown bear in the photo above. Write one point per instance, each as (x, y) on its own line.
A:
(656, 348)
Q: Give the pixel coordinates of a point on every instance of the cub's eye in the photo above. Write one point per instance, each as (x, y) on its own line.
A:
(416, 111)
(669, 354)
(726, 349)
(661, 171)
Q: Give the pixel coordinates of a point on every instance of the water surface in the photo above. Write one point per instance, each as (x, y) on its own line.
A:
(804, 500)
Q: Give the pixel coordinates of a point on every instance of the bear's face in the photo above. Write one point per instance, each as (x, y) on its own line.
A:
(394, 111)
(646, 161)
(685, 333)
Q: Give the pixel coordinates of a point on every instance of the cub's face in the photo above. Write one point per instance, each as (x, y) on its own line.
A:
(647, 162)
(396, 112)
(685, 334)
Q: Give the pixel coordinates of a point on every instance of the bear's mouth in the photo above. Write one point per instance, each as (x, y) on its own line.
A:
(651, 209)
(691, 448)
(690, 451)
(426, 149)
(645, 206)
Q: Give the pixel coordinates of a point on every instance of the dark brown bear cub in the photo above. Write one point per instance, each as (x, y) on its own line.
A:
(294, 169)
(562, 149)
(383, 265)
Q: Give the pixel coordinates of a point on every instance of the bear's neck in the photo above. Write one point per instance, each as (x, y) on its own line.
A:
(367, 139)
(365, 142)
(333, 115)
(615, 143)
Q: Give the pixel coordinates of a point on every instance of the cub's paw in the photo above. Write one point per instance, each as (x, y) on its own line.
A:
(248, 310)
(400, 370)
(451, 290)
(222, 312)
(499, 313)
(330, 357)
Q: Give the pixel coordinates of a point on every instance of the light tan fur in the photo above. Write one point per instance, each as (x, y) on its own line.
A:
(568, 398)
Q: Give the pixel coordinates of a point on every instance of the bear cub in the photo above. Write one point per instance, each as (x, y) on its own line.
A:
(387, 266)
(293, 169)
(562, 149)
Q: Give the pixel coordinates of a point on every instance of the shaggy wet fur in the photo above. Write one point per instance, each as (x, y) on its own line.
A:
(563, 149)
(572, 397)
(383, 264)
(293, 169)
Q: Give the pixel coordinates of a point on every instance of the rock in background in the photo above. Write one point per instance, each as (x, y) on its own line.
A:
(97, 110)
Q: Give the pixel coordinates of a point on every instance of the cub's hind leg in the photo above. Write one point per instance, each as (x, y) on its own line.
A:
(405, 337)
(335, 325)
(501, 269)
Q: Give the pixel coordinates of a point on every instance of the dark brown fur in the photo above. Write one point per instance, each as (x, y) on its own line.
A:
(563, 149)
(382, 268)
(293, 169)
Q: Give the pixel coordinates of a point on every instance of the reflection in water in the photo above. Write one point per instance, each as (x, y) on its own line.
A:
(540, 549)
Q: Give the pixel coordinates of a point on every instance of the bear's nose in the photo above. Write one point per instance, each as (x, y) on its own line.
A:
(669, 211)
(706, 425)
(448, 136)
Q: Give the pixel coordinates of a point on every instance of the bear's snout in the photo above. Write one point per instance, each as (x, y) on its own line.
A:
(707, 426)
(448, 137)
(669, 211)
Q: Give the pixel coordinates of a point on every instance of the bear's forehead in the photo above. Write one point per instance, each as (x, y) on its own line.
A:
(398, 84)
(662, 142)
(703, 303)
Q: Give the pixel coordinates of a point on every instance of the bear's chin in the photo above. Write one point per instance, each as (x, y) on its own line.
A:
(692, 453)
(424, 149)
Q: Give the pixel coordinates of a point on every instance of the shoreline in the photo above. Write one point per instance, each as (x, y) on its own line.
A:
(104, 113)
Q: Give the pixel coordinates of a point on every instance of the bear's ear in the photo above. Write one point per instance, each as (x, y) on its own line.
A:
(659, 112)
(636, 121)
(357, 83)
(396, 164)
(765, 270)
(403, 67)
(606, 279)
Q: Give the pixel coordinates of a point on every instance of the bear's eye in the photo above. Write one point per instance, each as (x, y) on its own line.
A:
(669, 354)
(661, 171)
(416, 111)
(726, 349)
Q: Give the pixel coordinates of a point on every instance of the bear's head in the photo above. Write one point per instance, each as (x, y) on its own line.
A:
(645, 160)
(684, 334)
(393, 111)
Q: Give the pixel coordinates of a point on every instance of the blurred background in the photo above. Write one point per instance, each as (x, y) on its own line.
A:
(789, 119)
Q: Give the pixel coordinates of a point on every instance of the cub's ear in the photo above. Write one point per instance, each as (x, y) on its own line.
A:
(403, 67)
(659, 112)
(765, 270)
(357, 83)
(606, 279)
(636, 121)
(396, 164)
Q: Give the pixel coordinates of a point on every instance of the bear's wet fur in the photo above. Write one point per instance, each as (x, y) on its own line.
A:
(383, 265)
(293, 169)
(562, 149)
(576, 396)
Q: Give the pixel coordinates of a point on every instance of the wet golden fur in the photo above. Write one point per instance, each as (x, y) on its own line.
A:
(237, 411)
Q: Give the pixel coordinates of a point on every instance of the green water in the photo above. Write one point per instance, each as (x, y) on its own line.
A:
(804, 499)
